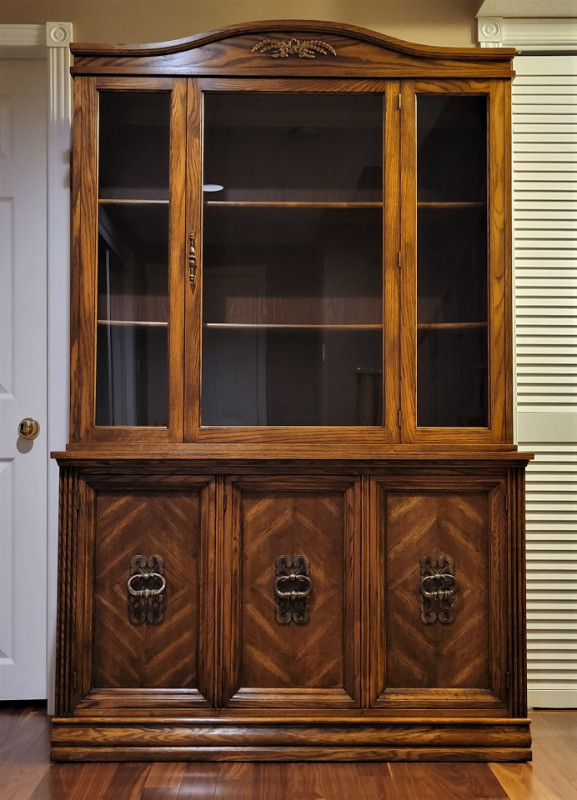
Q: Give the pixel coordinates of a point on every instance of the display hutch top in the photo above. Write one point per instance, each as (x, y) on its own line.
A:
(291, 235)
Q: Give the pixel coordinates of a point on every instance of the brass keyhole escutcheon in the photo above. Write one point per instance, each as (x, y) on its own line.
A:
(28, 428)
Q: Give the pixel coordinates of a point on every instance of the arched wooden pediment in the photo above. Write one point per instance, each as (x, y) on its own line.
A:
(292, 48)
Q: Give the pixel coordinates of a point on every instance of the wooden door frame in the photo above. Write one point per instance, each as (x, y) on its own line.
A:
(51, 41)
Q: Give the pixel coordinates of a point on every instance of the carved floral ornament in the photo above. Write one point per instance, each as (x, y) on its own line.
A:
(283, 48)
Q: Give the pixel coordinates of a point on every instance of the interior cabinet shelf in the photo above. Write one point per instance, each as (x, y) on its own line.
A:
(447, 205)
(132, 201)
(447, 326)
(133, 323)
(288, 326)
(290, 204)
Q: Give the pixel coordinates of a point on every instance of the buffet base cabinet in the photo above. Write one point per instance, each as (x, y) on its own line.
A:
(291, 609)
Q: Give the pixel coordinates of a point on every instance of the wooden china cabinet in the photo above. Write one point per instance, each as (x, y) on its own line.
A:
(291, 506)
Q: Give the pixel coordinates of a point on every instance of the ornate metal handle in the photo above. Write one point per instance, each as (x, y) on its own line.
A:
(146, 577)
(437, 587)
(292, 587)
(146, 586)
(192, 260)
(292, 591)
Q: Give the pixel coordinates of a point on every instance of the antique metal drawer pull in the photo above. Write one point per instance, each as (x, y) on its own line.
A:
(146, 586)
(437, 588)
(292, 588)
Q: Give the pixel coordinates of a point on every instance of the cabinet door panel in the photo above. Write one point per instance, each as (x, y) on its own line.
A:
(127, 320)
(440, 553)
(161, 640)
(455, 348)
(301, 651)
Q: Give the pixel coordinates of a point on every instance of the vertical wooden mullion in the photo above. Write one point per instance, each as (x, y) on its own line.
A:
(500, 366)
(375, 576)
(193, 292)
(366, 593)
(82, 578)
(391, 252)
(231, 592)
(177, 256)
(498, 595)
(84, 267)
(408, 280)
(207, 612)
(219, 580)
(352, 590)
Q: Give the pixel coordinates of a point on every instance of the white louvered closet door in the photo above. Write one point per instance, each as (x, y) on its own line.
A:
(545, 255)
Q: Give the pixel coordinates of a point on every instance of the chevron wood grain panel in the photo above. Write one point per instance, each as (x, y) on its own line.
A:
(292, 664)
(148, 521)
(457, 662)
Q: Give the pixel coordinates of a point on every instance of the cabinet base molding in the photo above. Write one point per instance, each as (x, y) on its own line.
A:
(152, 739)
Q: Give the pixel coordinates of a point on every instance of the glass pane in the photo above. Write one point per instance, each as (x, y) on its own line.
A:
(294, 147)
(133, 150)
(292, 260)
(133, 222)
(452, 289)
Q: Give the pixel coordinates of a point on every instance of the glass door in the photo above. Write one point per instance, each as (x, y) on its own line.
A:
(292, 314)
(137, 248)
(452, 281)
(455, 253)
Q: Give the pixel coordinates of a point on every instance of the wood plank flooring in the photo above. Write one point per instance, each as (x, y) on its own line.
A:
(27, 774)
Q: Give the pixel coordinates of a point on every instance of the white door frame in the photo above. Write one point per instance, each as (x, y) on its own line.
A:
(51, 41)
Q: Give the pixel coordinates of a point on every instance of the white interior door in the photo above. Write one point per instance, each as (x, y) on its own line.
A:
(23, 378)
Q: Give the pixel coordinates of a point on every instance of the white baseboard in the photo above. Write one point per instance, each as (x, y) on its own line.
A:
(552, 698)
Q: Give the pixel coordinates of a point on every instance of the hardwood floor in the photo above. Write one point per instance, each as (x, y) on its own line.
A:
(27, 774)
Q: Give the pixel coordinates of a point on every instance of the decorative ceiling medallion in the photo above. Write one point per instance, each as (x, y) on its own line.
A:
(283, 48)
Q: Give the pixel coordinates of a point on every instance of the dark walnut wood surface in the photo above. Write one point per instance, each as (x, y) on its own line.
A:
(332, 569)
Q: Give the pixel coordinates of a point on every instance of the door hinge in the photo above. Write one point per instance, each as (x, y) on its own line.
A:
(507, 680)
(74, 680)
(506, 504)
(399, 417)
(399, 101)
(225, 503)
(399, 262)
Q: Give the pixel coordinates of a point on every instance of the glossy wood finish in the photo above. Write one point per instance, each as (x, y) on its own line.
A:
(460, 664)
(365, 63)
(26, 772)
(291, 666)
(278, 682)
(219, 679)
(362, 53)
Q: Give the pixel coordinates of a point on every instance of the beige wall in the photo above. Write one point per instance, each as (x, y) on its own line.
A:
(439, 22)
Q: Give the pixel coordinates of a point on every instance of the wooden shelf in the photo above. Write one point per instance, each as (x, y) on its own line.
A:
(128, 323)
(113, 201)
(448, 326)
(304, 326)
(290, 204)
(449, 204)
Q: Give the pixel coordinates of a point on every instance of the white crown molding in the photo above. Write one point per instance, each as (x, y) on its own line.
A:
(527, 34)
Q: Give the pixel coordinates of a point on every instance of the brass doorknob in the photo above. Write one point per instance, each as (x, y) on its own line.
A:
(28, 428)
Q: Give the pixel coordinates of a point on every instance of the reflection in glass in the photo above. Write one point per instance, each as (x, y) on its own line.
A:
(133, 222)
(293, 260)
(452, 289)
